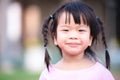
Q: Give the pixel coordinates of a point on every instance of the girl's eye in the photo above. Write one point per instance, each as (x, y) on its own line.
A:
(81, 30)
(65, 30)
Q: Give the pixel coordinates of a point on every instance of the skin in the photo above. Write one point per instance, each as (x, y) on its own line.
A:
(72, 39)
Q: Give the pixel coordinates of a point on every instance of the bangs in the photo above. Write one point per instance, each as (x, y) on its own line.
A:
(77, 18)
(78, 12)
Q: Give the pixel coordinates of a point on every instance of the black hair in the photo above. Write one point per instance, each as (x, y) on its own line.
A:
(77, 9)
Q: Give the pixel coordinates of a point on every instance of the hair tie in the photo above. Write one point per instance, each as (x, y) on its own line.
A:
(106, 49)
(51, 16)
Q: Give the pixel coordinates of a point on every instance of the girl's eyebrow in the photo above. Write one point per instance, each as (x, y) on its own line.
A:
(80, 26)
(64, 26)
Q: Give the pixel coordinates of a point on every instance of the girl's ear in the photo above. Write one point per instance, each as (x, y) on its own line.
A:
(54, 39)
(90, 42)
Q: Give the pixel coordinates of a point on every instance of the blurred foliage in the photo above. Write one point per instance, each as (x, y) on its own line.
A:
(19, 75)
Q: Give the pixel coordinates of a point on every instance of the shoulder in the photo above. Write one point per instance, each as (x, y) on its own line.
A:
(46, 73)
(102, 68)
(104, 73)
(43, 74)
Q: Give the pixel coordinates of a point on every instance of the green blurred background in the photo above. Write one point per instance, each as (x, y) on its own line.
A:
(21, 44)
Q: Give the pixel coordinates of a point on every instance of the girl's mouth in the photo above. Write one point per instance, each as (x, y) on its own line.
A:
(73, 44)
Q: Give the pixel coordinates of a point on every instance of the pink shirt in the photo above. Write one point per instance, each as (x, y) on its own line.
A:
(96, 72)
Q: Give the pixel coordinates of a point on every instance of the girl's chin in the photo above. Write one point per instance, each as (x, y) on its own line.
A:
(73, 53)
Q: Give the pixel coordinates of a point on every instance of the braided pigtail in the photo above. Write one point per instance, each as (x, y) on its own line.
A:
(107, 56)
(45, 35)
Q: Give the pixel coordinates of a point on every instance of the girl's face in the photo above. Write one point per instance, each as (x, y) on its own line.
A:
(72, 38)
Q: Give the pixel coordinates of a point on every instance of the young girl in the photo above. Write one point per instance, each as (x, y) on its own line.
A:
(74, 28)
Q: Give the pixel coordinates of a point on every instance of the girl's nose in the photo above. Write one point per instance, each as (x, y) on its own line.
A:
(73, 35)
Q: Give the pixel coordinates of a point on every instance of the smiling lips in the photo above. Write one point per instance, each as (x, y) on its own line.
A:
(73, 44)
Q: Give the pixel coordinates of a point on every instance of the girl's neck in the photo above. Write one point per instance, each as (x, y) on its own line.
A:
(71, 58)
(74, 62)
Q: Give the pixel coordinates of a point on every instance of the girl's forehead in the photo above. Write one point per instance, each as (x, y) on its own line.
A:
(67, 18)
(63, 17)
